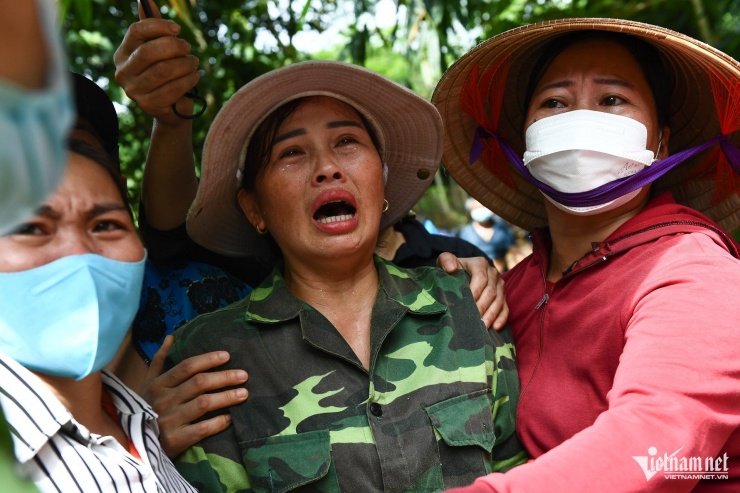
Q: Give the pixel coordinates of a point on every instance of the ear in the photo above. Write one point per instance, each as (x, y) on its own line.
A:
(664, 140)
(250, 207)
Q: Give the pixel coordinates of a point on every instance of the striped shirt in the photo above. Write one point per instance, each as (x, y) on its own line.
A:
(60, 455)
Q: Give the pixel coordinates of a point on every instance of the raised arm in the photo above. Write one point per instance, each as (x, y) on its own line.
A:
(23, 51)
(36, 109)
(155, 68)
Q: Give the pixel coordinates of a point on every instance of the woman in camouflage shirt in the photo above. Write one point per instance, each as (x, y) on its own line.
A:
(362, 375)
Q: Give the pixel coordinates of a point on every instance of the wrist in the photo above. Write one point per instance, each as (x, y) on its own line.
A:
(172, 123)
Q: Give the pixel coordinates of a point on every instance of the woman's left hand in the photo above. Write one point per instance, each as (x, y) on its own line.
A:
(486, 285)
(189, 390)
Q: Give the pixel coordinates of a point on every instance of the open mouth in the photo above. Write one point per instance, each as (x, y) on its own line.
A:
(333, 212)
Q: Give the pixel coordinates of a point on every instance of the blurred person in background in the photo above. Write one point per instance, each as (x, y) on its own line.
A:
(488, 232)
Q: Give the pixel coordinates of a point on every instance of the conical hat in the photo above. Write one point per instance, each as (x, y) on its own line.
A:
(691, 66)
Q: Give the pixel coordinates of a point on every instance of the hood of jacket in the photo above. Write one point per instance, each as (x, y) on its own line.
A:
(662, 216)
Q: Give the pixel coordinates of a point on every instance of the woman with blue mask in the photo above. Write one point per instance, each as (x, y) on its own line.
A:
(614, 143)
(70, 279)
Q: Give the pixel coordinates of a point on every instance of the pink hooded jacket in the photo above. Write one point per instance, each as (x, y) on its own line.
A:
(630, 364)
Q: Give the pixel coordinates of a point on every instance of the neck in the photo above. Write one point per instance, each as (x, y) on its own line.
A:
(82, 398)
(389, 242)
(332, 284)
(573, 236)
(484, 230)
(344, 294)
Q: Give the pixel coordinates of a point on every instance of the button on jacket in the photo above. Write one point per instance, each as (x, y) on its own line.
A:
(435, 410)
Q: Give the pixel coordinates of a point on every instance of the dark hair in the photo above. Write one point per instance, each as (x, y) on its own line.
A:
(646, 55)
(106, 162)
(261, 142)
(95, 108)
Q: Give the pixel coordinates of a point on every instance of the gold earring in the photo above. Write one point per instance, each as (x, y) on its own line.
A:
(385, 207)
(260, 232)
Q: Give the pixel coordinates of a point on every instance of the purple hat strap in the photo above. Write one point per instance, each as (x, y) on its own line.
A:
(609, 191)
(481, 135)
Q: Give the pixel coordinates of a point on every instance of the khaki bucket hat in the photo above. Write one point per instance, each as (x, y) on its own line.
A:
(408, 127)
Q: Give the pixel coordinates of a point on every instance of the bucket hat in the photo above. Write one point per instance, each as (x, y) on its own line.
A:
(704, 84)
(408, 127)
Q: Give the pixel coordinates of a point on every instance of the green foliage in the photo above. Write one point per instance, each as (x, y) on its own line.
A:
(8, 476)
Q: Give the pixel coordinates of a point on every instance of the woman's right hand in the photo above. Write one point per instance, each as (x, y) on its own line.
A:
(155, 68)
(181, 395)
(486, 285)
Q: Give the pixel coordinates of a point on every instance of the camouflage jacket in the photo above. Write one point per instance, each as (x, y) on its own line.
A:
(435, 410)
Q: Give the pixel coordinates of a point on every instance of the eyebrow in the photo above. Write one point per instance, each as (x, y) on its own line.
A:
(101, 209)
(46, 211)
(344, 123)
(598, 80)
(614, 82)
(288, 135)
(302, 131)
(97, 210)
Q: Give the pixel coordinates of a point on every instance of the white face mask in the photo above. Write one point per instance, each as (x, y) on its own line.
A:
(581, 150)
(481, 215)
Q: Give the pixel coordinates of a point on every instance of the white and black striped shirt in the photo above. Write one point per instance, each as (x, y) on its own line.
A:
(60, 455)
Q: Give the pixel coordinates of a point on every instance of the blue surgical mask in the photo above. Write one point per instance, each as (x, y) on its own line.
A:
(34, 127)
(69, 317)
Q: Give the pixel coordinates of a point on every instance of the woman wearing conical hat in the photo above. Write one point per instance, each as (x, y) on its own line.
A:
(614, 143)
